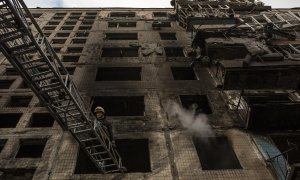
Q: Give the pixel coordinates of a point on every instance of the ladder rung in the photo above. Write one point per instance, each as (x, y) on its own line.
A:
(86, 140)
(105, 159)
(82, 131)
(109, 165)
(7, 14)
(50, 85)
(20, 47)
(29, 50)
(3, 5)
(35, 66)
(98, 153)
(43, 79)
(32, 61)
(10, 38)
(72, 126)
(93, 147)
(112, 171)
(51, 89)
(41, 73)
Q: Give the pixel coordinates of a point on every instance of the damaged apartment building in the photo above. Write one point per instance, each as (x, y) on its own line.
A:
(203, 90)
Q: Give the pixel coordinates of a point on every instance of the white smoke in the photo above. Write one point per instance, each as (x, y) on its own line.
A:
(197, 124)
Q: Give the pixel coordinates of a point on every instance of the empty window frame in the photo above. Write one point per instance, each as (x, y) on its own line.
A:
(17, 174)
(90, 17)
(75, 14)
(168, 36)
(53, 22)
(9, 120)
(216, 153)
(159, 14)
(31, 148)
(49, 28)
(79, 41)
(121, 36)
(5, 84)
(70, 58)
(87, 22)
(158, 24)
(183, 73)
(91, 13)
(66, 28)
(74, 49)
(58, 41)
(121, 24)
(11, 72)
(119, 74)
(62, 34)
(82, 34)
(174, 51)
(85, 27)
(135, 154)
(120, 52)
(70, 23)
(19, 101)
(122, 14)
(2, 144)
(41, 120)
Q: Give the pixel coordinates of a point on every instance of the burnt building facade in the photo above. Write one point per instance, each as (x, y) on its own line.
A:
(133, 62)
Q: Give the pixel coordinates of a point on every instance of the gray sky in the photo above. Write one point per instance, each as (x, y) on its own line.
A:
(135, 3)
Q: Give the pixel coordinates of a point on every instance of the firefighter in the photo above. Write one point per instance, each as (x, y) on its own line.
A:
(100, 114)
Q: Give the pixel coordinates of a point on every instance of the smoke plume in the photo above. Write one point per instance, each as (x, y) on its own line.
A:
(197, 124)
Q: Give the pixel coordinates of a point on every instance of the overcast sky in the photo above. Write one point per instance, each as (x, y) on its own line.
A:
(135, 3)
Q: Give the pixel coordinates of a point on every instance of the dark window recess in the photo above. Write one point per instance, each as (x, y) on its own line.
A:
(121, 24)
(183, 73)
(5, 84)
(49, 28)
(285, 143)
(60, 14)
(70, 58)
(62, 34)
(31, 148)
(121, 105)
(85, 28)
(79, 41)
(122, 14)
(9, 120)
(53, 22)
(87, 22)
(70, 70)
(157, 24)
(70, 22)
(57, 18)
(90, 17)
(168, 36)
(74, 49)
(135, 154)
(199, 102)
(84, 165)
(47, 34)
(17, 174)
(83, 34)
(174, 51)
(91, 13)
(41, 120)
(73, 17)
(2, 144)
(119, 74)
(57, 49)
(11, 72)
(67, 28)
(120, 52)
(216, 153)
(58, 41)
(159, 14)
(37, 15)
(121, 36)
(23, 85)
(19, 101)
(76, 14)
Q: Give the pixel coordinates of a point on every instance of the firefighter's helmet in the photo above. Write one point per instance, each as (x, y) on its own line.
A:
(99, 109)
